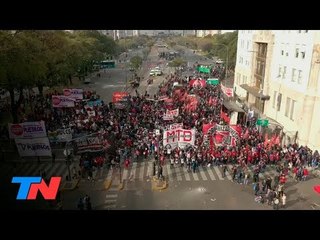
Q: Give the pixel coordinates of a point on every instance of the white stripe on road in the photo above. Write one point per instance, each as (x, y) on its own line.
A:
(186, 174)
(112, 196)
(110, 200)
(133, 171)
(110, 173)
(52, 170)
(169, 172)
(211, 174)
(60, 170)
(125, 174)
(216, 169)
(195, 176)
(178, 174)
(110, 206)
(142, 166)
(149, 170)
(203, 175)
(228, 175)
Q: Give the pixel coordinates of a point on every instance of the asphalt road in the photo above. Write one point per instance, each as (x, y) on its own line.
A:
(180, 195)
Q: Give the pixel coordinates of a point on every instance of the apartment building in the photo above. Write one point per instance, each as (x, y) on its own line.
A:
(277, 74)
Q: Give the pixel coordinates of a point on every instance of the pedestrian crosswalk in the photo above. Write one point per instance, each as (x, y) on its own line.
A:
(137, 171)
(143, 171)
(7, 171)
(110, 201)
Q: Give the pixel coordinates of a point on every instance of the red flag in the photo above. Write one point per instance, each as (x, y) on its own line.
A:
(246, 134)
(225, 117)
(265, 140)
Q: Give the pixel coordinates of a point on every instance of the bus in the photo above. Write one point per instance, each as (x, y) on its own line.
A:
(108, 64)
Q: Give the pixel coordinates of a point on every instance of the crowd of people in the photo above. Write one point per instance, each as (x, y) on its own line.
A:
(131, 135)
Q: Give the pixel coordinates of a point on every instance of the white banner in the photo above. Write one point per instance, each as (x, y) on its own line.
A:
(60, 135)
(174, 112)
(170, 114)
(36, 147)
(27, 130)
(75, 93)
(62, 101)
(178, 138)
(174, 126)
(167, 117)
(90, 143)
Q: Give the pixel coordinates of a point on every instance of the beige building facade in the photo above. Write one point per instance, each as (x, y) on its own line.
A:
(277, 75)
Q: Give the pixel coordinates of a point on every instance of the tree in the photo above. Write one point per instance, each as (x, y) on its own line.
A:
(177, 62)
(136, 62)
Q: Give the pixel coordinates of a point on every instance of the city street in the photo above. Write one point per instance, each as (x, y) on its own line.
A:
(206, 189)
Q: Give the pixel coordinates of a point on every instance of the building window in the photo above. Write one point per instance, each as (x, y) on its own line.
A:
(306, 31)
(299, 76)
(274, 99)
(299, 31)
(287, 50)
(297, 52)
(293, 79)
(292, 110)
(238, 78)
(279, 101)
(284, 72)
(303, 55)
(287, 107)
(244, 79)
(280, 71)
(282, 52)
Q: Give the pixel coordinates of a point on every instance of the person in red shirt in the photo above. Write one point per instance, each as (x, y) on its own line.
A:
(305, 174)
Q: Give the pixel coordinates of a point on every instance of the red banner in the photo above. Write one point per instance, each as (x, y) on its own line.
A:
(225, 117)
(119, 96)
(197, 83)
(227, 91)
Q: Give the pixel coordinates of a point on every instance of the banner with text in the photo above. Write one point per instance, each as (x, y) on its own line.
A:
(178, 138)
(27, 130)
(60, 135)
(91, 143)
(36, 147)
(75, 93)
(62, 101)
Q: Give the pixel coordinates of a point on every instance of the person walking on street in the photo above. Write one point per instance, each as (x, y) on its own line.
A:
(194, 166)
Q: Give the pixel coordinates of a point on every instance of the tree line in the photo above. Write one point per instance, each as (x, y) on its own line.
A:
(38, 58)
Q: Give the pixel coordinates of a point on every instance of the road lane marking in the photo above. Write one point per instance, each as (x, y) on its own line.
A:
(216, 169)
(203, 175)
(211, 174)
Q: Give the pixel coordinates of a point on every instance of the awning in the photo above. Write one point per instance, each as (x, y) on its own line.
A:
(255, 92)
(231, 105)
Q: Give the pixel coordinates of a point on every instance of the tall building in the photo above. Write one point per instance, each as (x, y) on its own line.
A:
(203, 33)
(135, 33)
(188, 33)
(277, 74)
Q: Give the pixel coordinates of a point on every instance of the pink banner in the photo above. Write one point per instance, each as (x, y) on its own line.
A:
(74, 93)
(227, 91)
(62, 101)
